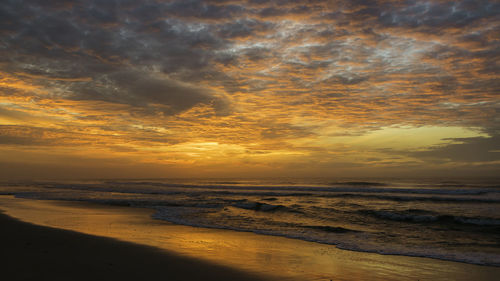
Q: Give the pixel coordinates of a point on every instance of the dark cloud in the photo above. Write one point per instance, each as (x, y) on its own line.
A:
(477, 149)
(272, 12)
(359, 62)
(347, 80)
(428, 16)
(243, 28)
(123, 55)
(26, 135)
(440, 15)
(142, 90)
(201, 10)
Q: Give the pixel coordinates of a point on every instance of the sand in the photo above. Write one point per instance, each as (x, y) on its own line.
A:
(176, 252)
(32, 252)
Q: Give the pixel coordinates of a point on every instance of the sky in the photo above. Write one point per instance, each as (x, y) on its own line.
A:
(249, 88)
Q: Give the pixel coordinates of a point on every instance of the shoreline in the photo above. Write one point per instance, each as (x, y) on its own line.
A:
(33, 252)
(272, 257)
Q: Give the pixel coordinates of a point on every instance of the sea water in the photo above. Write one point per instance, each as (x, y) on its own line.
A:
(449, 220)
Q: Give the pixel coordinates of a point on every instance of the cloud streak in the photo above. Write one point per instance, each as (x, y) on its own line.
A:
(270, 82)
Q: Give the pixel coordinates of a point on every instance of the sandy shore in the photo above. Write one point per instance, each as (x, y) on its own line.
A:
(46, 250)
(32, 252)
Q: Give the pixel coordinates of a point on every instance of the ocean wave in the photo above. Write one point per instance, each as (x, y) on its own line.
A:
(327, 228)
(478, 258)
(358, 183)
(258, 206)
(378, 193)
(265, 207)
(354, 241)
(402, 198)
(422, 216)
(307, 212)
(293, 190)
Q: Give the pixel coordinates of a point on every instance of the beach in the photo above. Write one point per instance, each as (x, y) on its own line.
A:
(250, 140)
(32, 252)
(126, 243)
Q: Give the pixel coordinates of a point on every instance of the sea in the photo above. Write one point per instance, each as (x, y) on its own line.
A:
(443, 219)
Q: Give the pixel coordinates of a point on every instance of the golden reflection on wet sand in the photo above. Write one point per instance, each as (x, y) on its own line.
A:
(283, 258)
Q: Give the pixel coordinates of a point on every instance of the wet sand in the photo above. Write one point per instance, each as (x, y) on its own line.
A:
(174, 252)
(32, 252)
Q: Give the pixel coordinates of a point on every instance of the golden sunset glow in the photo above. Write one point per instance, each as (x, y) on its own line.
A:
(249, 88)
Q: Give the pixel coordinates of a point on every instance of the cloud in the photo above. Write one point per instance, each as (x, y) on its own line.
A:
(477, 149)
(56, 47)
(29, 136)
(249, 73)
(139, 89)
(243, 28)
(440, 15)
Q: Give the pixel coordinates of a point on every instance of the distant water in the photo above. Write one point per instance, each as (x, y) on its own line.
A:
(456, 221)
